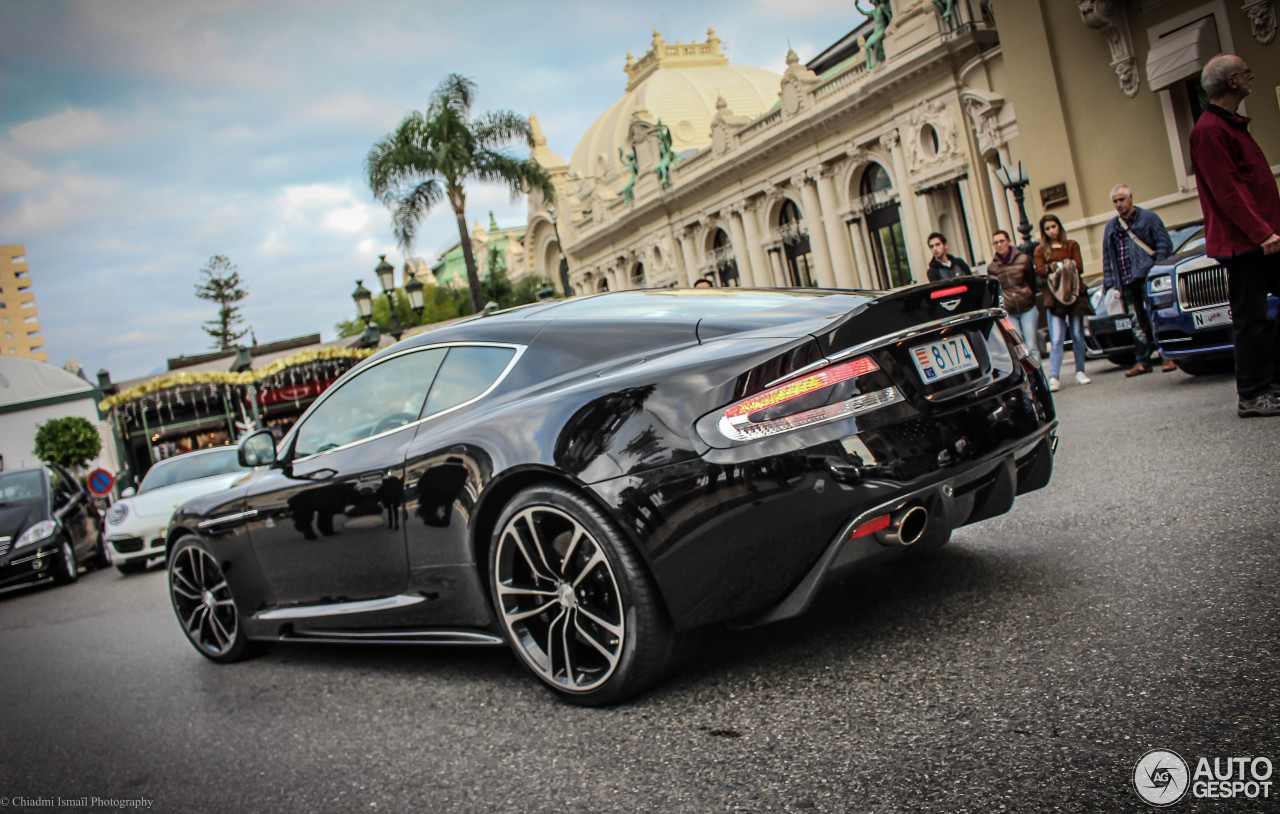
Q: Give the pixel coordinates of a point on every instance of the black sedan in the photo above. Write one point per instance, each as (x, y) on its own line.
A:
(593, 480)
(48, 526)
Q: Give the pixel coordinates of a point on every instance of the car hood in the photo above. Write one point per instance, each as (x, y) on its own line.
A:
(162, 502)
(16, 517)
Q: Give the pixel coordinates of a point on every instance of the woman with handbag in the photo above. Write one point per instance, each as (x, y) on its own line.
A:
(1065, 300)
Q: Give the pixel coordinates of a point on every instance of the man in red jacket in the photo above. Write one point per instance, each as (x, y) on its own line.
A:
(1242, 218)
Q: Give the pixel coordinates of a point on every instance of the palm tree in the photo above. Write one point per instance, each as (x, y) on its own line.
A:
(431, 155)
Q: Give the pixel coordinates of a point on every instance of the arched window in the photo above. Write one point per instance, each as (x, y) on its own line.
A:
(637, 276)
(795, 245)
(884, 227)
(726, 262)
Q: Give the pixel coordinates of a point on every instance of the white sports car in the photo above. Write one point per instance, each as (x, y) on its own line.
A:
(136, 523)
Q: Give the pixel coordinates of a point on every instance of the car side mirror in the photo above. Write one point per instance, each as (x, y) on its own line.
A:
(257, 449)
(128, 491)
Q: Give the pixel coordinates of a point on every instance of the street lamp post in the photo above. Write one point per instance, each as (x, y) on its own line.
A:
(1016, 181)
(363, 298)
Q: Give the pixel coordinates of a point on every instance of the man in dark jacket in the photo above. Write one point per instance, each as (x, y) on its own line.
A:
(1133, 242)
(1242, 220)
(944, 266)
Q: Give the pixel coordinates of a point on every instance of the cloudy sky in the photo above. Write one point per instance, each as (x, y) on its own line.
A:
(140, 137)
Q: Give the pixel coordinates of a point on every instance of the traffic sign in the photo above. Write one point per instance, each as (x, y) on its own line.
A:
(100, 482)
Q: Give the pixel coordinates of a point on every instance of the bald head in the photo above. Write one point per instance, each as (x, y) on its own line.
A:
(1226, 78)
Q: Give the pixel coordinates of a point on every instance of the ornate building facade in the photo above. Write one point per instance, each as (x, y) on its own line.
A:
(830, 174)
(1107, 92)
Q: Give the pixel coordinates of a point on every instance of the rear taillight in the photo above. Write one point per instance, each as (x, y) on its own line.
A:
(767, 413)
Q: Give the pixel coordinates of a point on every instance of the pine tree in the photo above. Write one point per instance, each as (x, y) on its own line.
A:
(222, 284)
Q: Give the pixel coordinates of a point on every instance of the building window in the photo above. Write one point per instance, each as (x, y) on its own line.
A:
(637, 276)
(795, 246)
(726, 262)
(884, 227)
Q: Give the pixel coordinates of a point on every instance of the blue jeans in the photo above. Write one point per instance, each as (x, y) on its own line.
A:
(1057, 339)
(1027, 323)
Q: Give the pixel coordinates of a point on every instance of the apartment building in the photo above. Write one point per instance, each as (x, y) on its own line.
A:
(19, 320)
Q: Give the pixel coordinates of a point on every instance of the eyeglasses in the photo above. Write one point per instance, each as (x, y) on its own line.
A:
(999, 240)
(1246, 72)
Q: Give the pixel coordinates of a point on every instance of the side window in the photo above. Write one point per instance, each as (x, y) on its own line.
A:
(384, 397)
(466, 373)
(63, 488)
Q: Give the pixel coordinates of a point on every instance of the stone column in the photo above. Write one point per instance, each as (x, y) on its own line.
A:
(746, 275)
(837, 236)
(755, 250)
(999, 200)
(689, 255)
(906, 206)
(865, 271)
(817, 235)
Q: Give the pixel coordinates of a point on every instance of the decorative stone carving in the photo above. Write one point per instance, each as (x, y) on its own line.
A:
(723, 125)
(1109, 17)
(1262, 15)
(889, 141)
(795, 83)
(937, 116)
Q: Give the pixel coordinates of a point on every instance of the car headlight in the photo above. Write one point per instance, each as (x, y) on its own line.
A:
(37, 533)
(1158, 285)
(117, 513)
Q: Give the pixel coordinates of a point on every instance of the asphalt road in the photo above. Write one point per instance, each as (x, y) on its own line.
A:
(1129, 606)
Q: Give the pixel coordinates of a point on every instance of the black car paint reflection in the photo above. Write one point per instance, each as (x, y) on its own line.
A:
(597, 420)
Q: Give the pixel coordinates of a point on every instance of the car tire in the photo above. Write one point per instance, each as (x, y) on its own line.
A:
(575, 601)
(68, 568)
(204, 605)
(134, 566)
(101, 556)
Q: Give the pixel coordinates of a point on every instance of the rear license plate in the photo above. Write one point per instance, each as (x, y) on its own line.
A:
(1123, 324)
(946, 357)
(1212, 318)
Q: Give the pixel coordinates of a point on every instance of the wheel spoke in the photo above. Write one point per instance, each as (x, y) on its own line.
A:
(595, 560)
(610, 655)
(220, 633)
(197, 619)
(183, 592)
(550, 645)
(538, 568)
(521, 616)
(190, 624)
(578, 534)
(568, 653)
(178, 575)
(616, 630)
(507, 590)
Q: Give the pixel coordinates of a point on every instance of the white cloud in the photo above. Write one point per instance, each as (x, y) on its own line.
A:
(70, 128)
(147, 17)
(17, 175)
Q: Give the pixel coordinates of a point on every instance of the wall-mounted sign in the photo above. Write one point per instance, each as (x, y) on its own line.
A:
(1053, 196)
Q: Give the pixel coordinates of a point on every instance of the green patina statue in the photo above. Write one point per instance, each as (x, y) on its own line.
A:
(629, 191)
(666, 155)
(881, 14)
(946, 8)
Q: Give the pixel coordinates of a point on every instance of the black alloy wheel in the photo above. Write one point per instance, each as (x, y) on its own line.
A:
(576, 602)
(68, 567)
(203, 603)
(101, 556)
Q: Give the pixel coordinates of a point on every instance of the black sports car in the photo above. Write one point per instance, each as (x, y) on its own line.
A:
(593, 479)
(48, 526)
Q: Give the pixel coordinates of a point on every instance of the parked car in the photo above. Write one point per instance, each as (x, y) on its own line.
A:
(136, 524)
(1111, 334)
(48, 526)
(1191, 310)
(593, 480)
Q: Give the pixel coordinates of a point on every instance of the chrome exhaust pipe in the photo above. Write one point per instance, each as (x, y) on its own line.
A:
(906, 526)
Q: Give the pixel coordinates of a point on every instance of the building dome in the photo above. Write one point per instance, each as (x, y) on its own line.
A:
(679, 85)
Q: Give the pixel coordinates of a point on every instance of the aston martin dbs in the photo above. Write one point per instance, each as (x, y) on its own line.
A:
(590, 481)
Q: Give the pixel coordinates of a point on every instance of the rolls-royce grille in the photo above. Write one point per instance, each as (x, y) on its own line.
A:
(1203, 288)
